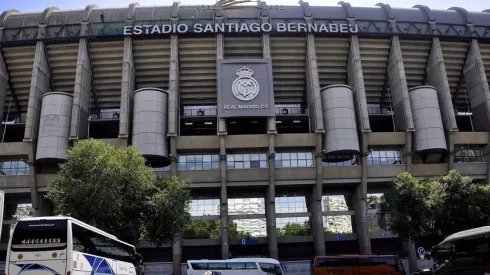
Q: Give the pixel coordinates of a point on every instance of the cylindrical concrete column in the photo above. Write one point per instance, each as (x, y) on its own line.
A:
(54, 127)
(341, 136)
(430, 140)
(150, 125)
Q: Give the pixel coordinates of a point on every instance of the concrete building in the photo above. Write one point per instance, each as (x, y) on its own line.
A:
(286, 105)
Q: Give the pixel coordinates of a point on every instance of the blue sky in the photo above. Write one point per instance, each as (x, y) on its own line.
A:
(40, 5)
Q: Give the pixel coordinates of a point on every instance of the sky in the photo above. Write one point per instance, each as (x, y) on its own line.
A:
(40, 5)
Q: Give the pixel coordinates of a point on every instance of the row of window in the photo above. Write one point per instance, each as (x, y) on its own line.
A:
(14, 168)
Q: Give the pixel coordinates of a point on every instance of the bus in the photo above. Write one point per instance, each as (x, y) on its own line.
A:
(466, 252)
(63, 245)
(237, 266)
(358, 264)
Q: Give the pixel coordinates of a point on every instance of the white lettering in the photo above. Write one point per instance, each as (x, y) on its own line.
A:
(356, 29)
(155, 29)
(230, 26)
(197, 27)
(137, 30)
(313, 27)
(147, 28)
(291, 27)
(333, 28)
(166, 28)
(254, 27)
(219, 27)
(344, 28)
(302, 27)
(266, 27)
(182, 28)
(244, 28)
(127, 30)
(281, 27)
(208, 28)
(323, 28)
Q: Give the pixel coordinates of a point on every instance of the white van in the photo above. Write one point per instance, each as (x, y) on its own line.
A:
(238, 266)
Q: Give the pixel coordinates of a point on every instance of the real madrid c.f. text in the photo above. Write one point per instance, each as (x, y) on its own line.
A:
(240, 28)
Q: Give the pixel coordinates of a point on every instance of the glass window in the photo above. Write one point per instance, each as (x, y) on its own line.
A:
(384, 157)
(247, 228)
(246, 206)
(293, 226)
(294, 159)
(270, 268)
(246, 160)
(39, 235)
(337, 224)
(340, 160)
(209, 110)
(14, 168)
(291, 205)
(469, 154)
(198, 162)
(205, 207)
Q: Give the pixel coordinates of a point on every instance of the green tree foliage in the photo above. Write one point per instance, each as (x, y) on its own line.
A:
(112, 189)
(439, 206)
(294, 229)
(210, 229)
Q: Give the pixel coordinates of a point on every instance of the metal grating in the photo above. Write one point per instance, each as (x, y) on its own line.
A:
(243, 47)
(63, 63)
(415, 54)
(107, 59)
(197, 70)
(374, 56)
(151, 58)
(332, 55)
(19, 61)
(288, 68)
(454, 54)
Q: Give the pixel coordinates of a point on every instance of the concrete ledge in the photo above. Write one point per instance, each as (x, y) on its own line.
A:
(429, 169)
(478, 138)
(261, 240)
(303, 173)
(16, 149)
(470, 169)
(200, 242)
(386, 138)
(342, 172)
(201, 176)
(247, 141)
(385, 171)
(197, 143)
(43, 180)
(14, 182)
(295, 140)
(295, 239)
(381, 235)
(261, 174)
(340, 237)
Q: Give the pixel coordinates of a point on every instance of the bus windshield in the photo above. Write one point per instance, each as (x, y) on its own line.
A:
(39, 235)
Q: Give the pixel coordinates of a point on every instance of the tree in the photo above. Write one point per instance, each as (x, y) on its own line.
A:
(441, 206)
(294, 229)
(112, 189)
(210, 229)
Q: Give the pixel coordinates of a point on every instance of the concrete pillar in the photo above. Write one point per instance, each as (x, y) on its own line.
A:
(4, 79)
(409, 247)
(271, 190)
(43, 208)
(81, 93)
(222, 132)
(349, 200)
(173, 132)
(477, 87)
(437, 77)
(40, 84)
(316, 200)
(356, 81)
(127, 89)
(313, 85)
(398, 88)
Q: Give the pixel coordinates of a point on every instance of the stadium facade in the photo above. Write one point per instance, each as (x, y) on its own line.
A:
(281, 116)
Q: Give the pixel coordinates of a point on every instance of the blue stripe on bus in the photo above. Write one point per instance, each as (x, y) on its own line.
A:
(30, 267)
(99, 265)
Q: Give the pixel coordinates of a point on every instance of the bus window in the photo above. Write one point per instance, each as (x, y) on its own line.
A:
(271, 268)
(199, 266)
(216, 266)
(39, 235)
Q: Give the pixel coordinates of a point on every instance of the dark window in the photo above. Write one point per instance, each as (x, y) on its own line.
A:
(271, 268)
(199, 266)
(242, 161)
(384, 157)
(224, 266)
(101, 246)
(198, 162)
(468, 155)
(39, 235)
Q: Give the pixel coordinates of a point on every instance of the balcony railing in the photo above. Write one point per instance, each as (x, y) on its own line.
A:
(290, 111)
(191, 111)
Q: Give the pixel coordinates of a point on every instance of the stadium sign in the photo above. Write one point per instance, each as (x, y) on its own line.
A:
(240, 28)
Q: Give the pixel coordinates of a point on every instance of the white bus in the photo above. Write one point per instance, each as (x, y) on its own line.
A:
(63, 245)
(237, 266)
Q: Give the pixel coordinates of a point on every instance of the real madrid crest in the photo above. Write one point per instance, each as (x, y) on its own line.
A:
(245, 87)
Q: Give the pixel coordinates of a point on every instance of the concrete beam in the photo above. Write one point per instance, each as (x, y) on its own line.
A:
(81, 93)
(127, 89)
(4, 84)
(174, 96)
(477, 87)
(316, 200)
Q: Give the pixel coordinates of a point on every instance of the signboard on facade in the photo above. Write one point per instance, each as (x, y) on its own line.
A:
(245, 88)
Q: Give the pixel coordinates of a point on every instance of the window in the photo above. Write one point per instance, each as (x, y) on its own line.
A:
(291, 204)
(293, 226)
(340, 160)
(198, 162)
(288, 109)
(14, 168)
(248, 160)
(209, 110)
(39, 235)
(224, 266)
(270, 268)
(384, 157)
(205, 207)
(468, 154)
(294, 159)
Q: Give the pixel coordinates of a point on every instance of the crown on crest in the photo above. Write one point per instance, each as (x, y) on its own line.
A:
(244, 72)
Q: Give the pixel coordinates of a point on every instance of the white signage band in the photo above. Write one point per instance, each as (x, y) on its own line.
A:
(240, 28)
